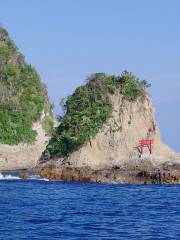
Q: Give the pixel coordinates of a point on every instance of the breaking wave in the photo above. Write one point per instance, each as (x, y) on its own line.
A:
(36, 177)
(12, 177)
(8, 177)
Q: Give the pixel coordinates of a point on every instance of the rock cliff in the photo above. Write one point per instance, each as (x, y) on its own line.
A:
(24, 155)
(114, 154)
(26, 118)
(117, 143)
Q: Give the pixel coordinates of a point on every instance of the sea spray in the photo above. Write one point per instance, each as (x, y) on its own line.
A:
(8, 177)
(13, 177)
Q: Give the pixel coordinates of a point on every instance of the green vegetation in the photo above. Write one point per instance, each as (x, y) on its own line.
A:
(48, 125)
(22, 95)
(88, 109)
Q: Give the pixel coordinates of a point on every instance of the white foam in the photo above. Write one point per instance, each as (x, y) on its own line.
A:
(8, 177)
(11, 177)
(36, 177)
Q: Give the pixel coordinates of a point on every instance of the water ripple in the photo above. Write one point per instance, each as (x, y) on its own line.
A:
(56, 210)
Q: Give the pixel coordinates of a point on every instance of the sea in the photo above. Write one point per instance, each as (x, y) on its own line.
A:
(38, 209)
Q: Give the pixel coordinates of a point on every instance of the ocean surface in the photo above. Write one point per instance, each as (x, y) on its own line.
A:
(37, 209)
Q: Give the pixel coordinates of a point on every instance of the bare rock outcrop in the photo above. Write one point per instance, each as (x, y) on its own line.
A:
(118, 141)
(23, 155)
(113, 155)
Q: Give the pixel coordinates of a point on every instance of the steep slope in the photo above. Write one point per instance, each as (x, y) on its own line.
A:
(110, 115)
(117, 143)
(26, 117)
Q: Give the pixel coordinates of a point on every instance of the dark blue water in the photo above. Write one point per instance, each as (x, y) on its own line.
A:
(56, 210)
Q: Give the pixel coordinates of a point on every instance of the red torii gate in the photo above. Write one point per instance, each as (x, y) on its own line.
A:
(145, 143)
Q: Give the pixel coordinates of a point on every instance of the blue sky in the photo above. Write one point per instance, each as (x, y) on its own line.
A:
(68, 39)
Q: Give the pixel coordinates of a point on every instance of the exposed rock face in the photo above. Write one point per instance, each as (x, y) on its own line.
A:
(114, 154)
(23, 155)
(117, 143)
(149, 176)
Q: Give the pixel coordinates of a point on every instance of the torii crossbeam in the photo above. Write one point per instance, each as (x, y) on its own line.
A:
(145, 143)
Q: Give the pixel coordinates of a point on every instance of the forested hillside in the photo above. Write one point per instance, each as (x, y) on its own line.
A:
(23, 97)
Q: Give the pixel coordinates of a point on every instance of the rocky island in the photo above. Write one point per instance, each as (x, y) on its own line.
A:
(98, 139)
(108, 132)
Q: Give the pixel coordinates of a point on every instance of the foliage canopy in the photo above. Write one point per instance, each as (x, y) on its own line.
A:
(22, 95)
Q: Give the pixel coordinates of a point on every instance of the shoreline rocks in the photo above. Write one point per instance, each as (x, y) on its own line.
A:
(167, 173)
(155, 175)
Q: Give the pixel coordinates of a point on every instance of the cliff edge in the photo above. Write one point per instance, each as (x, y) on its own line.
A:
(114, 152)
